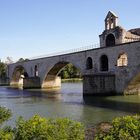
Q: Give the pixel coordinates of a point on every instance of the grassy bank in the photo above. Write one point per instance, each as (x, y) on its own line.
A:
(71, 80)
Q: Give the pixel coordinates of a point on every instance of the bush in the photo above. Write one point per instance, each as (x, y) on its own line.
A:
(38, 128)
(6, 133)
(123, 128)
(5, 114)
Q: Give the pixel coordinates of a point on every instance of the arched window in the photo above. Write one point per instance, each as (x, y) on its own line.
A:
(122, 60)
(89, 64)
(104, 63)
(110, 40)
(36, 71)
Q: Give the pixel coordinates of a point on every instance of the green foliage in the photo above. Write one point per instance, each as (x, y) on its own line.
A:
(2, 70)
(48, 129)
(5, 114)
(6, 134)
(123, 128)
(38, 128)
(23, 60)
(70, 71)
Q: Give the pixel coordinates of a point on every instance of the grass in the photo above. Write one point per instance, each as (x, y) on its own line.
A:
(71, 80)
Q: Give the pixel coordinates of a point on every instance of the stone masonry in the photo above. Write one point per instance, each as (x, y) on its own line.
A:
(109, 69)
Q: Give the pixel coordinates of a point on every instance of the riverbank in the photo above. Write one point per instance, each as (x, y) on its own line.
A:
(91, 132)
(72, 80)
(120, 128)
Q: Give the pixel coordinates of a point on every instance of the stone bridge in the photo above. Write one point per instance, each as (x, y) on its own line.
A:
(111, 69)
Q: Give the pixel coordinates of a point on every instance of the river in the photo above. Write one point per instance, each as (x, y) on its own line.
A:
(67, 102)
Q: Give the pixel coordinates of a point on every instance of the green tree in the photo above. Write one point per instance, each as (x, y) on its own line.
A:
(23, 60)
(2, 70)
(70, 71)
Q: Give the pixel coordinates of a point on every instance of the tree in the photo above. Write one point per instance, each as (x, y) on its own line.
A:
(23, 60)
(70, 71)
(2, 70)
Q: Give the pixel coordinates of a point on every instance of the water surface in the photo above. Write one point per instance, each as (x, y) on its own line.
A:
(67, 102)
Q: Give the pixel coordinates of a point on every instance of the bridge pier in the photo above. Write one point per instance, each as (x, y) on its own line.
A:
(51, 82)
(31, 82)
(99, 84)
(15, 84)
(26, 83)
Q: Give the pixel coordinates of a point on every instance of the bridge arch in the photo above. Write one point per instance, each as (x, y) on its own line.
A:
(17, 76)
(52, 78)
(132, 85)
(128, 80)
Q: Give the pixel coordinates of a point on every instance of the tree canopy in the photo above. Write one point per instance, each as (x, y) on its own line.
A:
(2, 70)
(70, 71)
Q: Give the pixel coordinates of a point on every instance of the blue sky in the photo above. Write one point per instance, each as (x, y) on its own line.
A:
(36, 27)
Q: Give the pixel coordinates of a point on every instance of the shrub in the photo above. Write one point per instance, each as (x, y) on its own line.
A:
(123, 128)
(6, 133)
(38, 128)
(5, 114)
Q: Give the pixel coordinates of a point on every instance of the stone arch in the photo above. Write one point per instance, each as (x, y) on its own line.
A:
(122, 59)
(18, 71)
(89, 63)
(110, 40)
(17, 76)
(104, 63)
(52, 79)
(128, 80)
(132, 82)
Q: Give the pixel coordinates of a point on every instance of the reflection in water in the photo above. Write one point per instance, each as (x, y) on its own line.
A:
(67, 102)
(116, 105)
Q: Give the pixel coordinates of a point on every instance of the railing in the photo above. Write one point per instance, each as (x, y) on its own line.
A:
(67, 51)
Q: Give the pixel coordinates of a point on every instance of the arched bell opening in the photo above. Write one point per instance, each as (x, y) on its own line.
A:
(110, 40)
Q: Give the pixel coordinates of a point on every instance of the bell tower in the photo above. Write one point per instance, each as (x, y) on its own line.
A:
(111, 21)
(112, 34)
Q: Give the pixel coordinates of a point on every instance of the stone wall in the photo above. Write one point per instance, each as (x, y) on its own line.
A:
(51, 82)
(31, 82)
(99, 84)
(122, 73)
